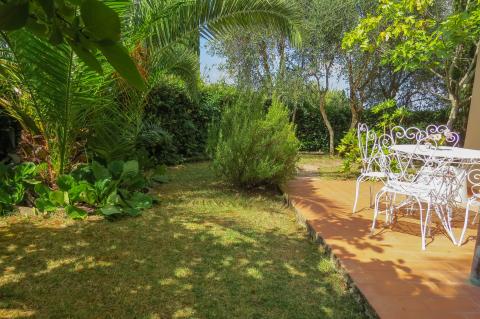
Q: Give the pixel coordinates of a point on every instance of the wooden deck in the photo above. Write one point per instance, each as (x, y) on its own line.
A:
(398, 279)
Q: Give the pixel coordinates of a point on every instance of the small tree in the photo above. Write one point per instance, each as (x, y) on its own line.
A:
(424, 38)
(253, 146)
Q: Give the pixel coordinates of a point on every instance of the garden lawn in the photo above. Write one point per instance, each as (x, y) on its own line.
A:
(205, 251)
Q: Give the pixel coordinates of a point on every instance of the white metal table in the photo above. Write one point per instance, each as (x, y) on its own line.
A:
(457, 153)
(464, 160)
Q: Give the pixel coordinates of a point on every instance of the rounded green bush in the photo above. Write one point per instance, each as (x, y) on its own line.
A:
(254, 146)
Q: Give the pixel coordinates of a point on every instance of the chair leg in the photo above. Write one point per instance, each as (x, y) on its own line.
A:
(425, 224)
(445, 218)
(460, 241)
(375, 214)
(357, 190)
(392, 208)
(370, 186)
(476, 216)
(422, 229)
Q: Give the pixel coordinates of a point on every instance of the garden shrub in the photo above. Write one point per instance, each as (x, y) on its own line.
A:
(117, 189)
(387, 115)
(186, 119)
(255, 147)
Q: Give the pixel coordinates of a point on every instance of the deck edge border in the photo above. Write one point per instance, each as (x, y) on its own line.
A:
(317, 238)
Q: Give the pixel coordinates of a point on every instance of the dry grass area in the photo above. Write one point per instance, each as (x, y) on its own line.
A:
(205, 251)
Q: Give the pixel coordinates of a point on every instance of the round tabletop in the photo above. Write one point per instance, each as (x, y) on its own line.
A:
(441, 151)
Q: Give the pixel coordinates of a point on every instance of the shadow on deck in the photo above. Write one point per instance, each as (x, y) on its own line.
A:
(398, 279)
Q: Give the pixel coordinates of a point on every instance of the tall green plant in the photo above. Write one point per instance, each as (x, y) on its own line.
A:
(53, 94)
(254, 147)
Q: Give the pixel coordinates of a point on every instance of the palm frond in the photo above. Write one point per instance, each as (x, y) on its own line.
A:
(62, 90)
(162, 23)
(178, 60)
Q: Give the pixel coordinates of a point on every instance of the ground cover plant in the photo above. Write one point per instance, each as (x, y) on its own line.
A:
(206, 251)
(16, 183)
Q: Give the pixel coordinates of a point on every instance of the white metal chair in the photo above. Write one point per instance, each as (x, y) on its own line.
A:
(370, 152)
(373, 154)
(440, 132)
(423, 179)
(474, 181)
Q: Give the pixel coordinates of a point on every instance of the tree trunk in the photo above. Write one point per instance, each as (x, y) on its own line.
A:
(331, 133)
(355, 117)
(452, 117)
(294, 113)
(266, 66)
(281, 63)
(353, 109)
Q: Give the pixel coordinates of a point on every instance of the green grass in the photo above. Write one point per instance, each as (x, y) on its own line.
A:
(329, 167)
(205, 251)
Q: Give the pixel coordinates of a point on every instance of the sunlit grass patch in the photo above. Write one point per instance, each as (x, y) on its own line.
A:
(206, 250)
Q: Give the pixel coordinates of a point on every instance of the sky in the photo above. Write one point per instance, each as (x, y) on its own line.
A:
(209, 65)
(211, 73)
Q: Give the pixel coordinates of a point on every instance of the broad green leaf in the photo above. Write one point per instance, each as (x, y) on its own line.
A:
(121, 61)
(83, 172)
(86, 56)
(26, 169)
(135, 182)
(13, 15)
(78, 192)
(5, 197)
(18, 193)
(130, 169)
(102, 188)
(99, 171)
(113, 199)
(88, 193)
(111, 210)
(100, 20)
(116, 168)
(140, 201)
(45, 205)
(75, 212)
(57, 198)
(42, 190)
(65, 182)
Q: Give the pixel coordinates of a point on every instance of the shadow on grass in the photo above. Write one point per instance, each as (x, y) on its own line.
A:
(196, 255)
